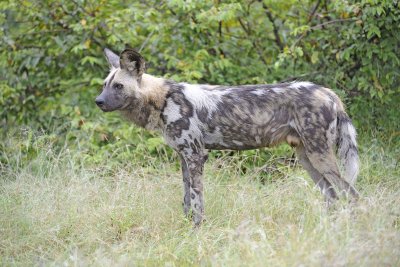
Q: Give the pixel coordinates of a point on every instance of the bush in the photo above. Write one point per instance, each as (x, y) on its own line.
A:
(52, 66)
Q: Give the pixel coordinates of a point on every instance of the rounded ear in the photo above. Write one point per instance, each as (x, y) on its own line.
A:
(112, 58)
(133, 62)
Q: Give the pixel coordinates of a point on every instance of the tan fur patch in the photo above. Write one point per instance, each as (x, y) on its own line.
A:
(293, 140)
(153, 90)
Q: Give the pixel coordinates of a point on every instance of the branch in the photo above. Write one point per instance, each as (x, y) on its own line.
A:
(255, 46)
(81, 8)
(271, 18)
(293, 78)
(332, 22)
(43, 32)
(246, 30)
(313, 11)
(145, 41)
(318, 26)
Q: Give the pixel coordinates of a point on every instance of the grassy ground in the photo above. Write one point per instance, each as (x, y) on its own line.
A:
(57, 210)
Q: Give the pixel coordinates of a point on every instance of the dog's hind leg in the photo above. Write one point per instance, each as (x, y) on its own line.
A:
(326, 187)
(317, 132)
(324, 161)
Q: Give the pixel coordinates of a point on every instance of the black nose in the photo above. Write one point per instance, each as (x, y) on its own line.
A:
(99, 102)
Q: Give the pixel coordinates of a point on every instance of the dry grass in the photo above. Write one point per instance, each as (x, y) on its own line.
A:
(57, 211)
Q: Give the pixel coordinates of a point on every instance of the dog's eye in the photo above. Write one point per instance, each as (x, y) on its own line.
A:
(118, 86)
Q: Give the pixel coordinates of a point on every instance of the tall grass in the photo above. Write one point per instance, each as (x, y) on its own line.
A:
(57, 209)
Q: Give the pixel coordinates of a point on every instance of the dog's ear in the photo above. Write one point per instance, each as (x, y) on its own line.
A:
(112, 58)
(133, 62)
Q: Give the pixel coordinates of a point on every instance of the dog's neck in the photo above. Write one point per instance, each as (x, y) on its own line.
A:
(145, 111)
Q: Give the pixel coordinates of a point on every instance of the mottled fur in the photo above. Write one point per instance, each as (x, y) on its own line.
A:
(195, 118)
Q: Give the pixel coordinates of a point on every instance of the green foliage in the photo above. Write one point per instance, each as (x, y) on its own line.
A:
(51, 62)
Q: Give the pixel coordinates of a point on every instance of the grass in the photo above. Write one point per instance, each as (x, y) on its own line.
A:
(55, 209)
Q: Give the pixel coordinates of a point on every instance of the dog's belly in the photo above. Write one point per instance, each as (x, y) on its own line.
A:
(245, 137)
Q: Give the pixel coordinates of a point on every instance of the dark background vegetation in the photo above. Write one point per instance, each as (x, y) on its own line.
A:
(52, 64)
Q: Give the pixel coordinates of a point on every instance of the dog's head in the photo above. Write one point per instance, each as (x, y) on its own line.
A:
(122, 86)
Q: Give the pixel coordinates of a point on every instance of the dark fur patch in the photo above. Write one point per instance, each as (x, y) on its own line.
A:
(202, 114)
(327, 114)
(175, 93)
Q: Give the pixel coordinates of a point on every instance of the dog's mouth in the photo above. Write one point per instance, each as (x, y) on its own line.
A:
(106, 108)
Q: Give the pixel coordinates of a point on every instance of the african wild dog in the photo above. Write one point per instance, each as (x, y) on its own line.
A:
(193, 118)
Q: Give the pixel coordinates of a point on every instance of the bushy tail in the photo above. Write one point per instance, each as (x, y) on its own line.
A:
(347, 148)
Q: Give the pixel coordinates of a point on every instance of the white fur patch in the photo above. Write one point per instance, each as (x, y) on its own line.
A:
(298, 85)
(278, 90)
(352, 132)
(332, 132)
(237, 142)
(112, 72)
(258, 92)
(173, 111)
(348, 156)
(201, 98)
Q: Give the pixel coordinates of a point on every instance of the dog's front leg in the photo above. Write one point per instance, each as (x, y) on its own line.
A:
(186, 186)
(195, 164)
